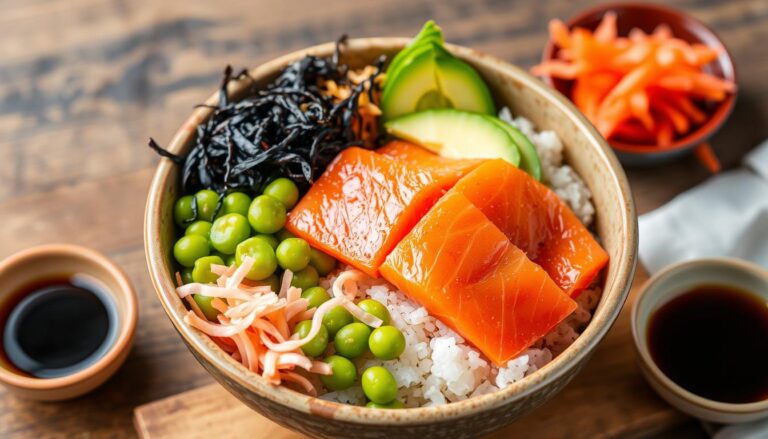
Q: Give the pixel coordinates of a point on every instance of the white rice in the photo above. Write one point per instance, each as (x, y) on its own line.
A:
(438, 366)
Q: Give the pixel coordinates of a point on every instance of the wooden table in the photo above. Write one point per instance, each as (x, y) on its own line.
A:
(84, 83)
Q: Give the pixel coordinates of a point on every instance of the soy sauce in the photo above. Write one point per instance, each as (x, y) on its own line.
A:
(713, 342)
(58, 326)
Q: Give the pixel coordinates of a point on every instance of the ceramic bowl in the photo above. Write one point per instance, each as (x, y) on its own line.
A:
(54, 260)
(616, 224)
(647, 16)
(668, 284)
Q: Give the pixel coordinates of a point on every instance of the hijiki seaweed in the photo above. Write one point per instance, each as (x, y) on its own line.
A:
(290, 129)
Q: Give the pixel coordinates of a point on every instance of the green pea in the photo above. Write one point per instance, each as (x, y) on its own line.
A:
(188, 249)
(351, 341)
(186, 275)
(379, 385)
(322, 262)
(375, 308)
(266, 214)
(272, 282)
(201, 228)
(269, 239)
(219, 254)
(386, 342)
(207, 200)
(230, 260)
(182, 210)
(204, 303)
(396, 404)
(335, 319)
(306, 278)
(284, 234)
(317, 345)
(293, 254)
(228, 231)
(202, 271)
(316, 296)
(265, 262)
(236, 202)
(344, 373)
(284, 190)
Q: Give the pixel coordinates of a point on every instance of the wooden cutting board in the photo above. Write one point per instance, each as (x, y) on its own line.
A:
(607, 399)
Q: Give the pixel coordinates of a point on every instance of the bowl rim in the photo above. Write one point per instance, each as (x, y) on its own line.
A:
(128, 316)
(703, 132)
(612, 300)
(641, 345)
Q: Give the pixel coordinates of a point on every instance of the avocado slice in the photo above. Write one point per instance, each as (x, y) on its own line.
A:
(529, 158)
(456, 134)
(433, 78)
(431, 32)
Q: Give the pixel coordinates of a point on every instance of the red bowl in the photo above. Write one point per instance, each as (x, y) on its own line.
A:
(646, 17)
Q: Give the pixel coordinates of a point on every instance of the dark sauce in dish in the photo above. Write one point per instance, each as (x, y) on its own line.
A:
(713, 342)
(57, 326)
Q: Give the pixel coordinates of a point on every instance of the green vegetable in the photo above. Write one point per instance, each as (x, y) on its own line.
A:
(272, 282)
(202, 271)
(202, 228)
(284, 234)
(529, 158)
(456, 134)
(344, 373)
(190, 248)
(317, 345)
(293, 254)
(386, 342)
(376, 308)
(266, 214)
(306, 278)
(269, 239)
(204, 303)
(379, 385)
(316, 296)
(207, 200)
(335, 319)
(228, 231)
(396, 404)
(284, 190)
(322, 262)
(182, 210)
(351, 341)
(425, 75)
(186, 275)
(236, 202)
(265, 262)
(229, 260)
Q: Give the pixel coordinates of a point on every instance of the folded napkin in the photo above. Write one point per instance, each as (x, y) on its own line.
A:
(725, 216)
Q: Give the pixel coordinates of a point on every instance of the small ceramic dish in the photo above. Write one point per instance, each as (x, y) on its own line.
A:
(665, 286)
(647, 16)
(53, 260)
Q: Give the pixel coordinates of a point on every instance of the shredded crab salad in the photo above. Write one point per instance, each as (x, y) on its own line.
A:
(256, 323)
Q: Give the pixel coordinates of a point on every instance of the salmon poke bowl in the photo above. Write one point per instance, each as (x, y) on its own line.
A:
(390, 236)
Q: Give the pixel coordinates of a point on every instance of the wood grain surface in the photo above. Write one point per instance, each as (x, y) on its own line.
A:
(84, 83)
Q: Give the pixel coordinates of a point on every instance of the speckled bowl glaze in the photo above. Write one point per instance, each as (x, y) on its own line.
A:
(616, 225)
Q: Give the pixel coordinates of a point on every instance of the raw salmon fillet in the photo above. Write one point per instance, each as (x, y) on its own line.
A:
(363, 205)
(464, 271)
(535, 219)
(440, 168)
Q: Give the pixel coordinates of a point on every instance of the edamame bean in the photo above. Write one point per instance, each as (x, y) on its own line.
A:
(265, 262)
(228, 231)
(351, 341)
(316, 296)
(344, 373)
(269, 239)
(182, 210)
(322, 262)
(204, 303)
(375, 308)
(236, 202)
(202, 272)
(317, 345)
(190, 248)
(386, 342)
(379, 385)
(335, 319)
(201, 228)
(207, 200)
(306, 278)
(293, 254)
(283, 190)
(266, 214)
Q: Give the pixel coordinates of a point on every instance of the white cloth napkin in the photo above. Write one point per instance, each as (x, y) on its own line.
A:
(725, 216)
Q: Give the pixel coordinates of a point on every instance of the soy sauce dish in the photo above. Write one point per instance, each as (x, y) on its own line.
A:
(701, 333)
(67, 319)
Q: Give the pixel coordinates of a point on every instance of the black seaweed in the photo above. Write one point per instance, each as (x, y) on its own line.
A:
(287, 129)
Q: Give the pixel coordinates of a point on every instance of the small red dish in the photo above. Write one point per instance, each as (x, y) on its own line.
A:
(646, 17)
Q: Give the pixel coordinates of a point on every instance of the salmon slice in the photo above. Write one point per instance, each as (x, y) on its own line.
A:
(440, 168)
(464, 271)
(535, 219)
(363, 205)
